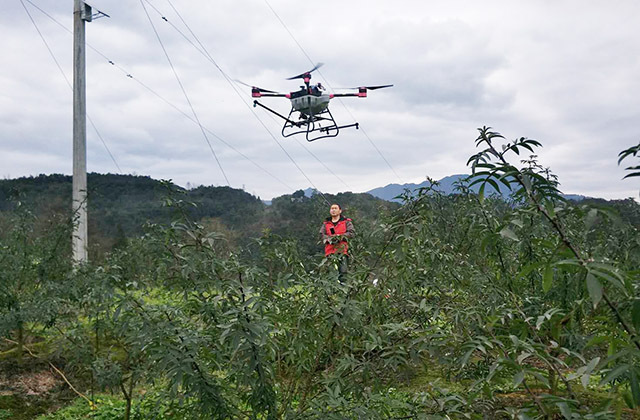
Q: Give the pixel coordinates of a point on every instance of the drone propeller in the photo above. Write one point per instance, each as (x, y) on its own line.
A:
(307, 73)
(377, 87)
(369, 87)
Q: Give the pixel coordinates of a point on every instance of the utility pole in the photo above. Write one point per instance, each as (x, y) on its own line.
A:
(81, 14)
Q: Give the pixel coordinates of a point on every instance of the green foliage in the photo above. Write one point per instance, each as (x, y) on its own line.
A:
(34, 268)
(521, 309)
(632, 151)
(107, 407)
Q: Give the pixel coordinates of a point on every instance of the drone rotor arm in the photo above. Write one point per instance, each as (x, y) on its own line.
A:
(343, 95)
(257, 92)
(362, 91)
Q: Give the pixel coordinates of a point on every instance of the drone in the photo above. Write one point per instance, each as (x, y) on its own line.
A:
(311, 102)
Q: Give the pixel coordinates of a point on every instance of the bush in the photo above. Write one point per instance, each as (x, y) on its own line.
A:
(150, 407)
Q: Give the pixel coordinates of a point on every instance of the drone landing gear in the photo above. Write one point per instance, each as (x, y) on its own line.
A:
(313, 126)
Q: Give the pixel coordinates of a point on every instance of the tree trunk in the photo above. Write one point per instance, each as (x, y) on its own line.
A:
(127, 411)
(20, 342)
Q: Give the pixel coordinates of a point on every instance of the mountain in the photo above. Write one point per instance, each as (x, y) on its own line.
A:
(446, 185)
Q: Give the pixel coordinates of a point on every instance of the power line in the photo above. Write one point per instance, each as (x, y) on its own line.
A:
(152, 91)
(329, 85)
(104, 143)
(203, 50)
(129, 75)
(302, 145)
(195, 115)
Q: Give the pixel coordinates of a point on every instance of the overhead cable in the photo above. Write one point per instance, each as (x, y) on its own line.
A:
(329, 85)
(203, 50)
(104, 143)
(152, 91)
(169, 103)
(175, 73)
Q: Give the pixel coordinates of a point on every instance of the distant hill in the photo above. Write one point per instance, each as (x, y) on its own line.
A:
(446, 186)
(120, 205)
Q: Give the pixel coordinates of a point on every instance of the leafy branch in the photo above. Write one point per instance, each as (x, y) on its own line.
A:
(542, 191)
(632, 151)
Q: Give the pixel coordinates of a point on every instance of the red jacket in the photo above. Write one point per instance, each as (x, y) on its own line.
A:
(344, 228)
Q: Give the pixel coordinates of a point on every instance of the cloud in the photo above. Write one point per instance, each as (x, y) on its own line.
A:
(564, 73)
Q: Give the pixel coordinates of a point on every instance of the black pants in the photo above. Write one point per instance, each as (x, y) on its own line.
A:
(342, 262)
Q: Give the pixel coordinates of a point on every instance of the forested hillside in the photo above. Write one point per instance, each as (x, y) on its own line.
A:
(121, 205)
(454, 307)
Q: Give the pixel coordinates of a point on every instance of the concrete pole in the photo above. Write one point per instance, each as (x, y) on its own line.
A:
(80, 239)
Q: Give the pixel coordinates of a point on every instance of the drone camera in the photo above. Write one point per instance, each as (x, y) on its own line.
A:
(255, 93)
(362, 92)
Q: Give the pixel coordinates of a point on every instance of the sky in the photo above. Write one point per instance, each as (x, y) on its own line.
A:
(564, 73)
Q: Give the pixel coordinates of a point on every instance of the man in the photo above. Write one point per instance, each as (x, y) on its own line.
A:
(335, 233)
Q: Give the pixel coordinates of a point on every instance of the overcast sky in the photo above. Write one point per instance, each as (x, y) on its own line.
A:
(565, 73)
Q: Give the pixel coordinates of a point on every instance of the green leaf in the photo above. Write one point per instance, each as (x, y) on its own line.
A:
(630, 175)
(529, 268)
(635, 388)
(523, 356)
(541, 378)
(595, 289)
(630, 151)
(479, 177)
(609, 274)
(525, 145)
(548, 205)
(517, 222)
(635, 314)
(597, 340)
(590, 220)
(506, 180)
(614, 373)
(466, 356)
(564, 409)
(508, 233)
(481, 192)
(587, 371)
(547, 278)
(493, 184)
(571, 261)
(518, 378)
